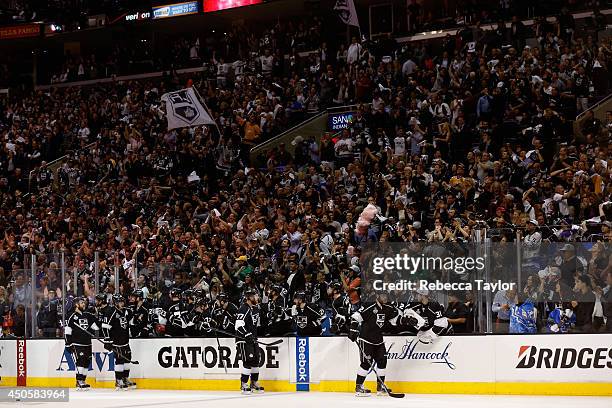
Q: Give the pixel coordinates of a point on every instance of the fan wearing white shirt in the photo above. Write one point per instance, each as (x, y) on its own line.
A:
(267, 63)
(399, 144)
(354, 52)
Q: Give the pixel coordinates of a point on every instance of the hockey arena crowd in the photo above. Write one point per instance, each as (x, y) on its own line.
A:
(473, 135)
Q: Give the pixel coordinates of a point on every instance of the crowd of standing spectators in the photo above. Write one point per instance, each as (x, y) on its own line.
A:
(474, 135)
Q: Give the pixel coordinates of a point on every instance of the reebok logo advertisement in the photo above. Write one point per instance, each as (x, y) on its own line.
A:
(415, 350)
(302, 364)
(21, 363)
(564, 357)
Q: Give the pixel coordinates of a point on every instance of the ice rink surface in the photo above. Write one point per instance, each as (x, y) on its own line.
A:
(105, 398)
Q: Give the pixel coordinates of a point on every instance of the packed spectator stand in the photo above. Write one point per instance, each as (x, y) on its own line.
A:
(451, 144)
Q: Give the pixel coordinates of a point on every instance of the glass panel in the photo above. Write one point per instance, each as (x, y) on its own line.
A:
(18, 309)
(48, 295)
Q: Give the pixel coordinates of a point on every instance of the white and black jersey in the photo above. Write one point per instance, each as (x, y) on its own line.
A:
(308, 319)
(163, 165)
(118, 326)
(372, 320)
(44, 178)
(139, 324)
(103, 313)
(341, 307)
(176, 317)
(79, 328)
(278, 320)
(433, 313)
(277, 310)
(247, 322)
(200, 322)
(224, 317)
(318, 292)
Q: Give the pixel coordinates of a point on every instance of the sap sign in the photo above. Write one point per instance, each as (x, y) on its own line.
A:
(137, 16)
(339, 121)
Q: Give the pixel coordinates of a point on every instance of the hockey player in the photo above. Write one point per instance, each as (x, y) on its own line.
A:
(366, 329)
(78, 332)
(247, 322)
(341, 306)
(139, 325)
(102, 307)
(176, 315)
(200, 319)
(436, 324)
(117, 340)
(279, 323)
(223, 313)
(189, 300)
(307, 316)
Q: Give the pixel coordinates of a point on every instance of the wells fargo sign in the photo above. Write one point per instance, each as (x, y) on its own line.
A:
(20, 31)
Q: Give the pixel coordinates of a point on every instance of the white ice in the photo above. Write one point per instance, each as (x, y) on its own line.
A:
(106, 398)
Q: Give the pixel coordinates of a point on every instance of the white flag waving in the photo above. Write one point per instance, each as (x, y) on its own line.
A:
(346, 12)
(184, 109)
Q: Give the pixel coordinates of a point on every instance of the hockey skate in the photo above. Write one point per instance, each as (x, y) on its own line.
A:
(120, 385)
(256, 388)
(81, 385)
(245, 389)
(383, 391)
(131, 384)
(361, 391)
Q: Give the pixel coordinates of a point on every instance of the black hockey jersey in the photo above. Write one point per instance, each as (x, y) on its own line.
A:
(118, 326)
(372, 319)
(139, 324)
(308, 319)
(433, 313)
(103, 313)
(224, 317)
(176, 317)
(247, 322)
(276, 310)
(79, 329)
(279, 323)
(341, 307)
(200, 323)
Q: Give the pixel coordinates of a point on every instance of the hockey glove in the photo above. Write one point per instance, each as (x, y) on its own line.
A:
(427, 336)
(108, 344)
(353, 334)
(412, 318)
(249, 338)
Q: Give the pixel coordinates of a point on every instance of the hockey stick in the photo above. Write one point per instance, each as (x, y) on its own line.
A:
(115, 350)
(382, 384)
(273, 343)
(219, 347)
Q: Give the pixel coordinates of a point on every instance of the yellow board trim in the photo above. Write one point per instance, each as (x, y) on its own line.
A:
(501, 388)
